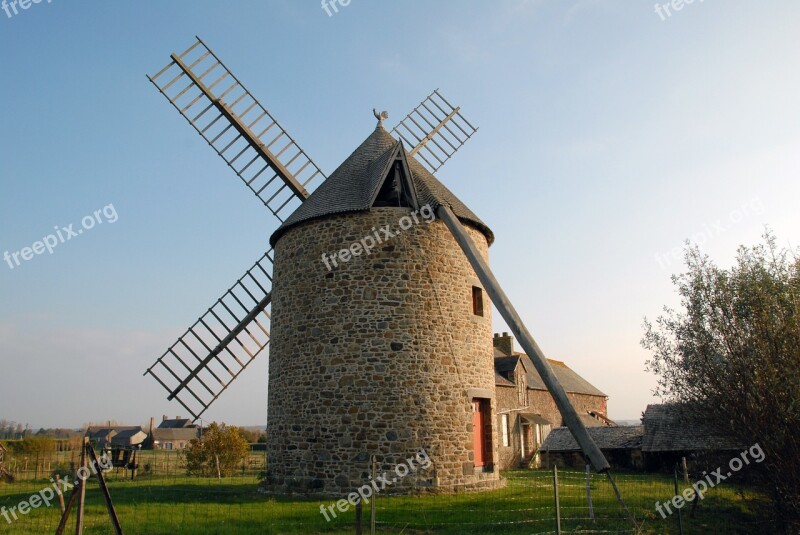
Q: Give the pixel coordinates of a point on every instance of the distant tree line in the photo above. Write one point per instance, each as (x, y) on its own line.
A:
(13, 430)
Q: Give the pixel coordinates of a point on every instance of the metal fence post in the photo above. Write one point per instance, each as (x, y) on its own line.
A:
(558, 505)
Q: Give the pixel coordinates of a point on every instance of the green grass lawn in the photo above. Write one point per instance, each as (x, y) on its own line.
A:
(177, 504)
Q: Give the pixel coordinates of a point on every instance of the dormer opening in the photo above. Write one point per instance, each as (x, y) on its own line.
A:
(395, 190)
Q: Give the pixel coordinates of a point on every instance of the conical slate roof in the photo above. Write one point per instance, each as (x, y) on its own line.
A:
(354, 184)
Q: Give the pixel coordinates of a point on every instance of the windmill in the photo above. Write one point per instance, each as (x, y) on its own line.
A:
(217, 348)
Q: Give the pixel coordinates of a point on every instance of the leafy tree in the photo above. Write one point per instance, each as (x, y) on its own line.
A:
(733, 353)
(249, 435)
(219, 453)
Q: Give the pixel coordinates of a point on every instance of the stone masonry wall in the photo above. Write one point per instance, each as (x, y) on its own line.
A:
(378, 356)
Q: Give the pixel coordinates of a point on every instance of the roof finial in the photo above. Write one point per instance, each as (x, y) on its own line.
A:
(380, 116)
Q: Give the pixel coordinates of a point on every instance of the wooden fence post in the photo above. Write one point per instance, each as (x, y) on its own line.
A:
(558, 505)
(589, 491)
(359, 510)
(677, 493)
(374, 498)
(60, 488)
(685, 471)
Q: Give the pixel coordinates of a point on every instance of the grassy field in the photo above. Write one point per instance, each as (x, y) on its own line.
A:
(176, 504)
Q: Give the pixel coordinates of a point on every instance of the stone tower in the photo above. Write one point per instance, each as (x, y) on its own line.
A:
(381, 338)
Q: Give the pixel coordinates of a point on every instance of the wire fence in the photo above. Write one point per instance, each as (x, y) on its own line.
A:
(163, 499)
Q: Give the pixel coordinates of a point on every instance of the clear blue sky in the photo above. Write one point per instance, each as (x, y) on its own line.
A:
(608, 135)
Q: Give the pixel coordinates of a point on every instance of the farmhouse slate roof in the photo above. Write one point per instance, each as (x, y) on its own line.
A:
(128, 433)
(606, 438)
(177, 423)
(569, 379)
(353, 185)
(499, 380)
(668, 427)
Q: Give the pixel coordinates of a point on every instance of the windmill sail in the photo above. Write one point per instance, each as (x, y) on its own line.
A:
(203, 362)
(435, 129)
(214, 351)
(267, 159)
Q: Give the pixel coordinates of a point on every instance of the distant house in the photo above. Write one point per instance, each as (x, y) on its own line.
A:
(622, 446)
(172, 434)
(173, 439)
(526, 411)
(671, 432)
(119, 436)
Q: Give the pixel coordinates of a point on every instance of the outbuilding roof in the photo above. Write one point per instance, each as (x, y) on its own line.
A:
(353, 185)
(606, 438)
(672, 427)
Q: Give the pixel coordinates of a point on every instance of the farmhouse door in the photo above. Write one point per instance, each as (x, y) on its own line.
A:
(478, 432)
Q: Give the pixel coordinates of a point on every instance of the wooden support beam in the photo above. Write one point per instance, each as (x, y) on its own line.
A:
(506, 309)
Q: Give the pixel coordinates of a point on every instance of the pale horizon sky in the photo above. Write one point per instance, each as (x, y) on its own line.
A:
(608, 135)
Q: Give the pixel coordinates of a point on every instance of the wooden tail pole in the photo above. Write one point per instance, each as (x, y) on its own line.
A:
(506, 309)
(62, 525)
(112, 513)
(81, 488)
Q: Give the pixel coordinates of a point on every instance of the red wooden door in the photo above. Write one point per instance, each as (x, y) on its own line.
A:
(478, 432)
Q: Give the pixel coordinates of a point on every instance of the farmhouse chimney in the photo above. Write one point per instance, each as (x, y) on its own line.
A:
(504, 343)
(164, 418)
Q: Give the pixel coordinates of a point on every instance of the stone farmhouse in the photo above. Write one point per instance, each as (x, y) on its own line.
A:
(172, 434)
(121, 436)
(526, 412)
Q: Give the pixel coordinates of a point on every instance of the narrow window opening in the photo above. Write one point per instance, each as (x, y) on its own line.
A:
(504, 429)
(477, 301)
